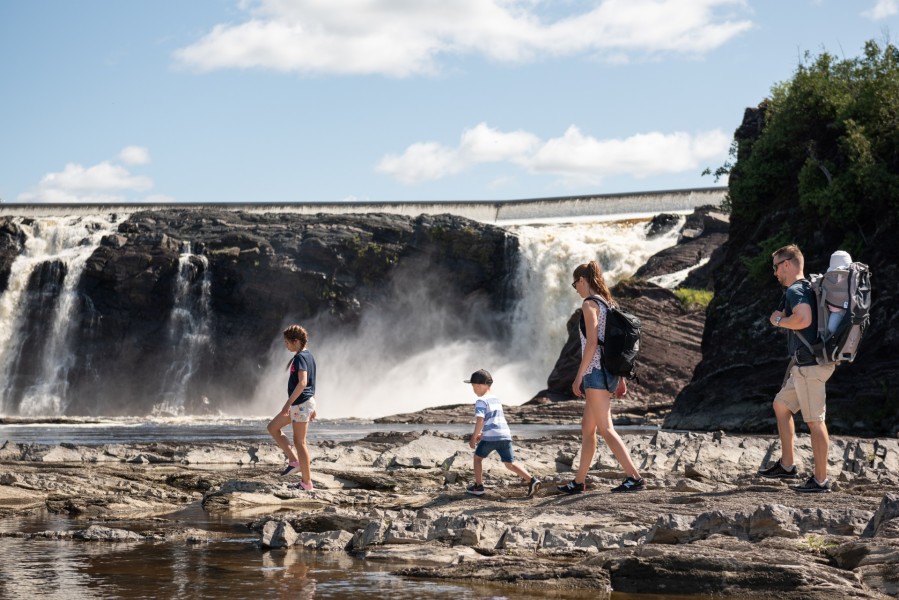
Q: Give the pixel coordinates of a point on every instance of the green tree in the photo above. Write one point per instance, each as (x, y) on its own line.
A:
(829, 144)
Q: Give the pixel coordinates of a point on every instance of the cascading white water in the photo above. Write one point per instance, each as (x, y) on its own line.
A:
(366, 375)
(188, 330)
(549, 255)
(69, 241)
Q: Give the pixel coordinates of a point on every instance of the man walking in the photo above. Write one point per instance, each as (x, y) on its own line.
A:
(803, 390)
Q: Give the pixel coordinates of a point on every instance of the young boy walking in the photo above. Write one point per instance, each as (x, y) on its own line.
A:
(491, 432)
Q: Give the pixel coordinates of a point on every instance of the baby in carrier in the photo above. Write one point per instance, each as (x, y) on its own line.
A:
(839, 267)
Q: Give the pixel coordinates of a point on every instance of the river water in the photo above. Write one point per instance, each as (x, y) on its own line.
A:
(234, 567)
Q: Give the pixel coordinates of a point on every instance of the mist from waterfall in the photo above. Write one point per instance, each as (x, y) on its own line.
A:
(56, 250)
(408, 354)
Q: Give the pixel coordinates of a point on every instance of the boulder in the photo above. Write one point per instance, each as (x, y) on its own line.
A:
(278, 534)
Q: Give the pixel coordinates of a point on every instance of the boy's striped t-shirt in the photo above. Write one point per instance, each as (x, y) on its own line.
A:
(495, 425)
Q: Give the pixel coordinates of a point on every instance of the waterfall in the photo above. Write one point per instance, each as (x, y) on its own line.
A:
(382, 368)
(549, 254)
(188, 330)
(409, 352)
(38, 309)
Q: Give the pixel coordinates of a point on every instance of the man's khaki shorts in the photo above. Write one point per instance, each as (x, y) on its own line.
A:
(804, 391)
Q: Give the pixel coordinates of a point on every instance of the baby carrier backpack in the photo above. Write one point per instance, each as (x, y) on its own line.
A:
(843, 304)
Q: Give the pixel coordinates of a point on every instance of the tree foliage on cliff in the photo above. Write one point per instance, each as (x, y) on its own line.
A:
(827, 142)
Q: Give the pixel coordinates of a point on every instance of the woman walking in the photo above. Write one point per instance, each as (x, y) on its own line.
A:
(597, 384)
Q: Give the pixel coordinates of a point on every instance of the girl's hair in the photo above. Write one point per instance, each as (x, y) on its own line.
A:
(592, 272)
(296, 333)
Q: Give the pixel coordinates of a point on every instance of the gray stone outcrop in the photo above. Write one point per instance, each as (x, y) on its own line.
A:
(707, 523)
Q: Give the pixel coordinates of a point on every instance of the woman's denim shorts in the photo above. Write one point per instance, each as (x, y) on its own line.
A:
(600, 379)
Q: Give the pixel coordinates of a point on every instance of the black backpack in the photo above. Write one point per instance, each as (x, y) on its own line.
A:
(622, 341)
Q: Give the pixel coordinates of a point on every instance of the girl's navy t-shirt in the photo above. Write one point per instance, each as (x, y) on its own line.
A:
(302, 361)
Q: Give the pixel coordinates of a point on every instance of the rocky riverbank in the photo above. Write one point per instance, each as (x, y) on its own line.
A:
(706, 525)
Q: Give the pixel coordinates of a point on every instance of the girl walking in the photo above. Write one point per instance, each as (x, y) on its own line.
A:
(299, 410)
(597, 384)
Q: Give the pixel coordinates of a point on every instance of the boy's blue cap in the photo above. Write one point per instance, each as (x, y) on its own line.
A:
(480, 376)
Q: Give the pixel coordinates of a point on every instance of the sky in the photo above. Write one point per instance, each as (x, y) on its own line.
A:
(395, 100)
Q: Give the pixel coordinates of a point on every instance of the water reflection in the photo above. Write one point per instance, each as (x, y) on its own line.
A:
(75, 570)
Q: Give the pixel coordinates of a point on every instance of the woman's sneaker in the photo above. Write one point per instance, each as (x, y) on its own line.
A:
(301, 485)
(475, 488)
(630, 485)
(573, 487)
(533, 486)
(291, 469)
(777, 471)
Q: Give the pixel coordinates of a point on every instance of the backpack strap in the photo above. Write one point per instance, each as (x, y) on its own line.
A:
(601, 302)
(798, 334)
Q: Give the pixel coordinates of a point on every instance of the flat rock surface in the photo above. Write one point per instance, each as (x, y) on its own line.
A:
(707, 524)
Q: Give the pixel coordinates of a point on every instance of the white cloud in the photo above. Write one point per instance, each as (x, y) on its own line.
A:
(400, 39)
(104, 182)
(882, 9)
(134, 155)
(573, 157)
(422, 162)
(427, 161)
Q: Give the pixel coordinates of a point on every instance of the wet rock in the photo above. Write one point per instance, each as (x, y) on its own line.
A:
(278, 534)
(98, 533)
(373, 535)
(534, 574)
(661, 224)
(329, 541)
(422, 554)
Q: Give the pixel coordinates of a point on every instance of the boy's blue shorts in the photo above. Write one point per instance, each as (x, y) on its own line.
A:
(503, 447)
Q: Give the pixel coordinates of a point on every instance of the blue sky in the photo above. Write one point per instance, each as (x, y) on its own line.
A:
(329, 100)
